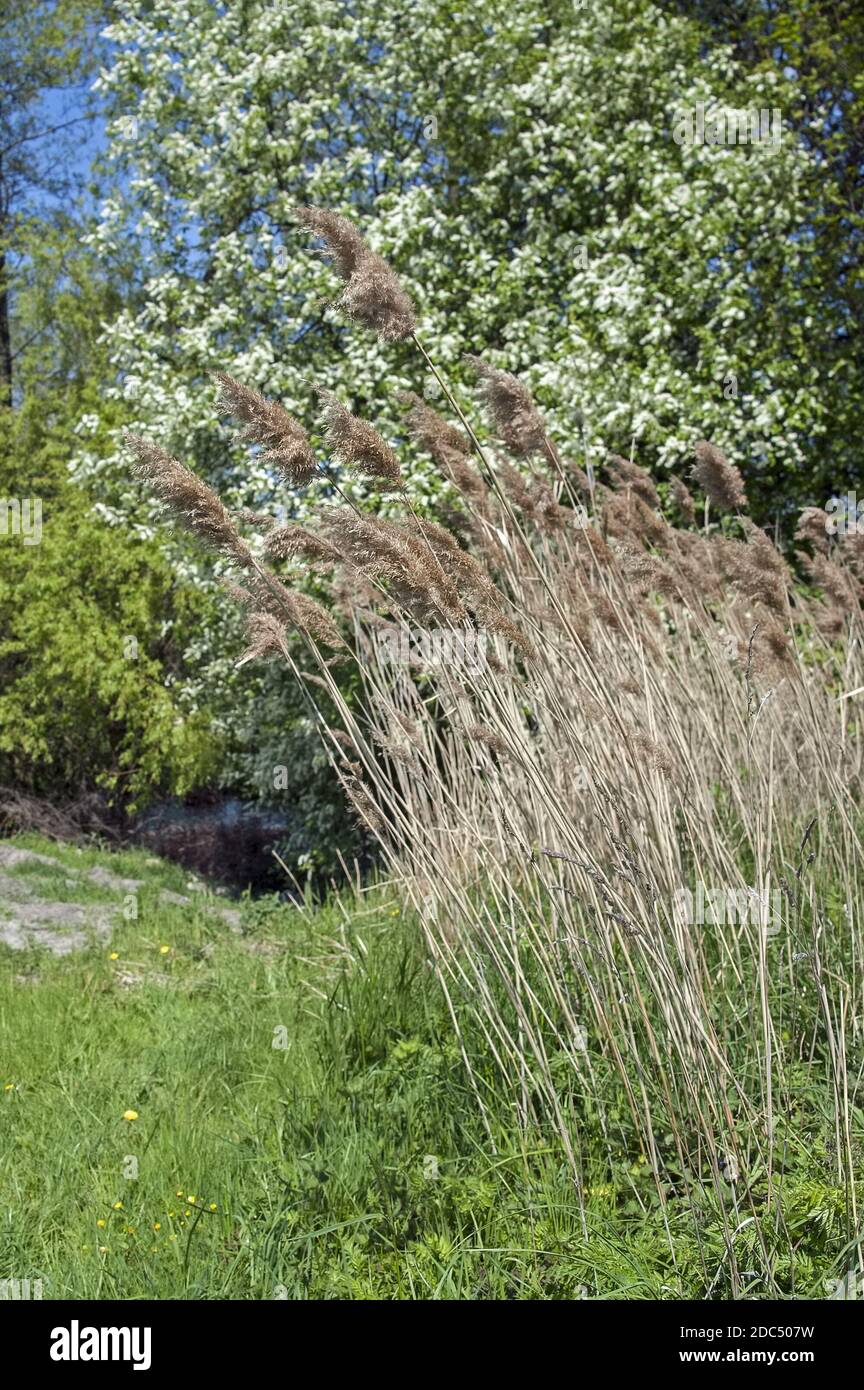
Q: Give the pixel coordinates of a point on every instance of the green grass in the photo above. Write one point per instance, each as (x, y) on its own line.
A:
(350, 1163)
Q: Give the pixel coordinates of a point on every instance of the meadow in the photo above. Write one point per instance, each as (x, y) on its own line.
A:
(608, 793)
(593, 1027)
(300, 1074)
(431, 652)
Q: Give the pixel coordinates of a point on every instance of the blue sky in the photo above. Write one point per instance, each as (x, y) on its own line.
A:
(79, 144)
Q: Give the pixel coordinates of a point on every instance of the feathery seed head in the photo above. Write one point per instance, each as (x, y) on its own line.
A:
(372, 294)
(266, 638)
(269, 423)
(478, 734)
(813, 527)
(292, 542)
(626, 514)
(188, 497)
(511, 407)
(356, 444)
(654, 755)
(462, 474)
(431, 431)
(719, 479)
(838, 583)
(627, 474)
(342, 241)
(763, 551)
(266, 594)
(683, 500)
(248, 516)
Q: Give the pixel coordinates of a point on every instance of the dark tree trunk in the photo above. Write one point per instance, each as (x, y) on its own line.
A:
(5, 339)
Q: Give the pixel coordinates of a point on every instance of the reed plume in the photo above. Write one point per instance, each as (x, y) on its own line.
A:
(431, 431)
(269, 423)
(187, 497)
(813, 527)
(511, 408)
(291, 608)
(291, 542)
(372, 295)
(628, 475)
(266, 638)
(683, 500)
(719, 479)
(356, 444)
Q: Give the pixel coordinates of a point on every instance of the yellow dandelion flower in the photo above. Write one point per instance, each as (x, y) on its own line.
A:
(100, 1223)
(190, 1199)
(118, 1206)
(163, 950)
(157, 1225)
(178, 1194)
(10, 1086)
(103, 1249)
(212, 1206)
(130, 1114)
(115, 955)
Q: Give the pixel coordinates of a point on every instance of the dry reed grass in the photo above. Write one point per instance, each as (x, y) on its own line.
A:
(659, 707)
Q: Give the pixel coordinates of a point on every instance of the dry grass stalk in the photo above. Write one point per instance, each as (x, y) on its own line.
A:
(618, 752)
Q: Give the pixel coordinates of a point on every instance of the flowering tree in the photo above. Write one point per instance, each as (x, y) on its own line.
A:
(521, 169)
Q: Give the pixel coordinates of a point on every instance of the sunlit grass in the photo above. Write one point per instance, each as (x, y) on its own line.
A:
(300, 1082)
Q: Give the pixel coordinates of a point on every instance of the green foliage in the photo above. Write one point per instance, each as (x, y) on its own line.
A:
(48, 50)
(89, 621)
(352, 1162)
(518, 166)
(92, 617)
(280, 757)
(820, 44)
